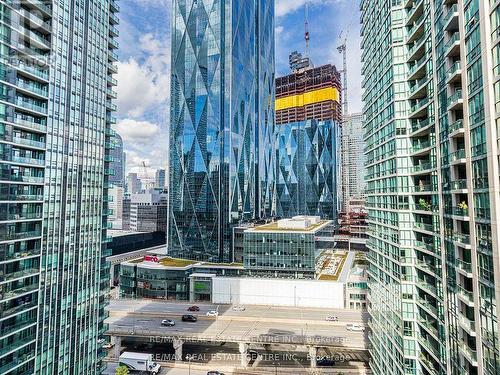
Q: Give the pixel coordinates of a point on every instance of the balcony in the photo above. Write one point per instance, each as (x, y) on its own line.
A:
(28, 122)
(416, 29)
(20, 235)
(468, 353)
(454, 73)
(28, 142)
(19, 275)
(414, 12)
(464, 267)
(418, 109)
(39, 6)
(113, 19)
(21, 197)
(457, 157)
(452, 46)
(429, 347)
(110, 119)
(20, 216)
(468, 325)
(418, 70)
(113, 6)
(422, 168)
(455, 100)
(112, 56)
(426, 227)
(465, 296)
(113, 43)
(111, 94)
(421, 126)
(31, 105)
(419, 88)
(32, 71)
(459, 186)
(456, 128)
(27, 160)
(32, 88)
(422, 147)
(112, 69)
(113, 31)
(451, 19)
(418, 49)
(16, 293)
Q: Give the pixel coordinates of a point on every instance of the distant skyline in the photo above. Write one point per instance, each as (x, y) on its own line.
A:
(144, 65)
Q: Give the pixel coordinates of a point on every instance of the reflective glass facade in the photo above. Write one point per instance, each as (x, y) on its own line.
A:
(431, 131)
(307, 168)
(25, 45)
(222, 123)
(55, 118)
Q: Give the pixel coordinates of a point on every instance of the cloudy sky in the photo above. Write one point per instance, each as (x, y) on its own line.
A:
(144, 60)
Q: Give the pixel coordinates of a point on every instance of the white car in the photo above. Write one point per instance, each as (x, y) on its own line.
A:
(213, 313)
(238, 308)
(357, 327)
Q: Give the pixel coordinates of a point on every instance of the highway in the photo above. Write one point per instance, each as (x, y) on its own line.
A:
(268, 313)
(257, 324)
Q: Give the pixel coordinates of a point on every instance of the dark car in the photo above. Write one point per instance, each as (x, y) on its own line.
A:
(189, 318)
(325, 362)
(214, 373)
(194, 308)
(252, 355)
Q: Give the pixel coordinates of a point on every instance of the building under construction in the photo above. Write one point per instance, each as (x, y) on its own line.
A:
(308, 116)
(308, 93)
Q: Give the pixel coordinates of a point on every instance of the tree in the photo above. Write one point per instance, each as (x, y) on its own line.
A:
(121, 370)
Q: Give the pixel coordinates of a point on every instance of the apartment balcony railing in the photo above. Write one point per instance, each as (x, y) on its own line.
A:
(20, 235)
(455, 98)
(28, 142)
(455, 185)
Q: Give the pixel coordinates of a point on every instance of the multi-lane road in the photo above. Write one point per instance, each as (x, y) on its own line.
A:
(257, 324)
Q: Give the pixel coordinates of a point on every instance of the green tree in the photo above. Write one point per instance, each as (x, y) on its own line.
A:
(121, 370)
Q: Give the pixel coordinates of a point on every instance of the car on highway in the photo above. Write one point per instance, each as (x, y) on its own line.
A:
(357, 327)
(332, 318)
(238, 308)
(168, 322)
(193, 308)
(213, 313)
(214, 373)
(252, 355)
(325, 362)
(189, 318)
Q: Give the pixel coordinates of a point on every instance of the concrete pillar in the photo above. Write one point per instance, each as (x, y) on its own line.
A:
(244, 354)
(313, 354)
(117, 348)
(177, 343)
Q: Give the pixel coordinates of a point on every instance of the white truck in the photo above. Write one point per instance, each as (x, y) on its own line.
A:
(142, 362)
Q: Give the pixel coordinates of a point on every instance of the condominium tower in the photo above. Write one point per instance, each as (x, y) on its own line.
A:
(222, 123)
(353, 159)
(308, 116)
(117, 163)
(55, 117)
(431, 128)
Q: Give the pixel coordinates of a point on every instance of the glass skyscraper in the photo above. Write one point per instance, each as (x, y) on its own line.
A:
(55, 115)
(222, 123)
(308, 114)
(431, 122)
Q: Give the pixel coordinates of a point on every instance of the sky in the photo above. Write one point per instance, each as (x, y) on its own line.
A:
(144, 65)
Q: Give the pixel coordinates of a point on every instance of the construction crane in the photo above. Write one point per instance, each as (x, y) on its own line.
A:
(307, 35)
(343, 50)
(145, 168)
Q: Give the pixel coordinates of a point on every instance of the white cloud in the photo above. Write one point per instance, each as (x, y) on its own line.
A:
(134, 131)
(284, 7)
(144, 79)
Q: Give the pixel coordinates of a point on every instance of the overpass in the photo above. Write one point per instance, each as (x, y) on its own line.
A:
(258, 326)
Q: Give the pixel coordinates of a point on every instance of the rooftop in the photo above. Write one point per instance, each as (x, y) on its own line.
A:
(299, 224)
(170, 262)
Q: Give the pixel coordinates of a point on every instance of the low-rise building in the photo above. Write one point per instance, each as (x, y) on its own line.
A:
(162, 277)
(145, 212)
(285, 248)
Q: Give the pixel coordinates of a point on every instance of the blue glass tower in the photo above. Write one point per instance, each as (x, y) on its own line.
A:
(222, 122)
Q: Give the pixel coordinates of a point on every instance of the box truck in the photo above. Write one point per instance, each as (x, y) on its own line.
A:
(142, 362)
